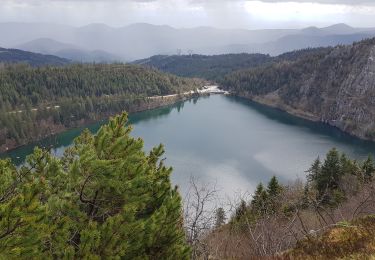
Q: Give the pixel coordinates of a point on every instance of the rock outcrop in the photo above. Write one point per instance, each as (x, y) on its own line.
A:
(333, 85)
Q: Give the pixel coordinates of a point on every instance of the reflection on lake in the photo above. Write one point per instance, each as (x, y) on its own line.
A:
(231, 141)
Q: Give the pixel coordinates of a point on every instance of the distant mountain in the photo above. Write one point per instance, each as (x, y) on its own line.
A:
(142, 40)
(297, 42)
(34, 59)
(89, 56)
(68, 51)
(45, 45)
(333, 29)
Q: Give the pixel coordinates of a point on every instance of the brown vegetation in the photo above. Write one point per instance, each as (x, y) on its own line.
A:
(334, 222)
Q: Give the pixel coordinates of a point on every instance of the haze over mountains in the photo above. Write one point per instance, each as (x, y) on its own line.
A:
(101, 43)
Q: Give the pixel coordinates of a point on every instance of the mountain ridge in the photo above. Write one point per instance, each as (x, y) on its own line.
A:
(131, 42)
(34, 59)
(68, 51)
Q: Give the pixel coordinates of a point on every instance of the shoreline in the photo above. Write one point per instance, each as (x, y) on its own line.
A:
(156, 102)
(149, 103)
(276, 104)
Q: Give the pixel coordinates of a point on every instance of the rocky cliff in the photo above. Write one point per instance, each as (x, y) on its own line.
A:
(333, 85)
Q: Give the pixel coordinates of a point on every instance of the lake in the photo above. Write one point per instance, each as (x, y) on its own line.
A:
(229, 141)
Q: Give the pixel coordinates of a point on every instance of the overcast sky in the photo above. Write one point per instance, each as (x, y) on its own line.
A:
(190, 13)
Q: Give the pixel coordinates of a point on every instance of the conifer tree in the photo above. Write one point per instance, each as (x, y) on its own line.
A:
(106, 198)
(240, 210)
(274, 189)
(314, 170)
(368, 169)
(260, 200)
(220, 217)
(326, 177)
(21, 214)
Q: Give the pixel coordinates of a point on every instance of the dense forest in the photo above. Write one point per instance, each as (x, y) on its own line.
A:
(217, 66)
(34, 59)
(288, 71)
(36, 102)
(202, 66)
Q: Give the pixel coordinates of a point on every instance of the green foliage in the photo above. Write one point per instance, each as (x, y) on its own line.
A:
(36, 102)
(267, 201)
(106, 198)
(331, 178)
(202, 66)
(264, 202)
(260, 199)
(216, 67)
(274, 189)
(241, 211)
(368, 169)
(286, 70)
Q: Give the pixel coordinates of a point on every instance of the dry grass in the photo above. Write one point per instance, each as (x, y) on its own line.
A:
(354, 240)
(346, 232)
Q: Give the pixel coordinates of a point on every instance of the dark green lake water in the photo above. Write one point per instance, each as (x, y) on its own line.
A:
(231, 141)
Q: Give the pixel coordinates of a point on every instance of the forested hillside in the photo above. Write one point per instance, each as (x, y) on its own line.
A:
(37, 102)
(34, 59)
(333, 85)
(208, 67)
(217, 66)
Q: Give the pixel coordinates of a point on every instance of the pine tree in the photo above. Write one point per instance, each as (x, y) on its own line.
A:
(314, 170)
(21, 214)
(240, 210)
(305, 202)
(368, 169)
(274, 190)
(220, 217)
(326, 178)
(106, 198)
(260, 200)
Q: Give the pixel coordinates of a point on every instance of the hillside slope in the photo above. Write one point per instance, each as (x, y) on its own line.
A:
(39, 102)
(333, 85)
(34, 59)
(67, 51)
(353, 240)
(202, 66)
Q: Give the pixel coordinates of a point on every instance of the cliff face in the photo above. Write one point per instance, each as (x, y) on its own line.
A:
(341, 91)
(336, 86)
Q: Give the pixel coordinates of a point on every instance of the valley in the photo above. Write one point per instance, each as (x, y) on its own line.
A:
(226, 140)
(269, 136)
